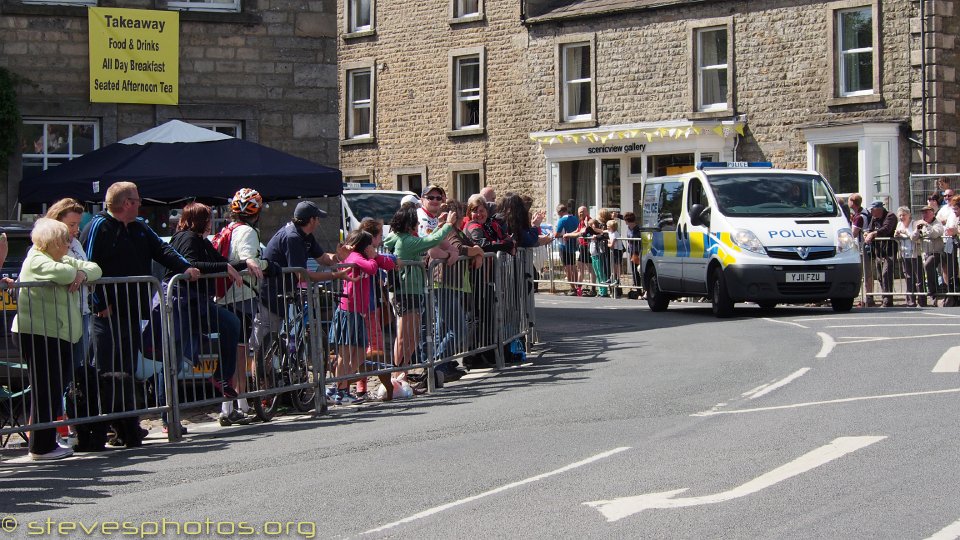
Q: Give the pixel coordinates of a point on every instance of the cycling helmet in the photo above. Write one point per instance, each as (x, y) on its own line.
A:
(246, 202)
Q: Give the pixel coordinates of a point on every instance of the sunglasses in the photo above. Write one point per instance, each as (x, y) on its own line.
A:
(433, 197)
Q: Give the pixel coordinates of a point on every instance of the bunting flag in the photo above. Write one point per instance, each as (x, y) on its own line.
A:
(602, 137)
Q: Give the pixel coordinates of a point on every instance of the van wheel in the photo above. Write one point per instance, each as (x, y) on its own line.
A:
(841, 305)
(655, 297)
(722, 303)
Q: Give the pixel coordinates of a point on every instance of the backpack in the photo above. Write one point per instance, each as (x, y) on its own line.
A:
(221, 243)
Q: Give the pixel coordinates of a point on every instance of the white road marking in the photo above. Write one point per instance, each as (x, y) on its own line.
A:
(829, 402)
(782, 382)
(755, 390)
(441, 508)
(867, 316)
(868, 339)
(950, 532)
(949, 362)
(828, 344)
(784, 322)
(622, 507)
(888, 326)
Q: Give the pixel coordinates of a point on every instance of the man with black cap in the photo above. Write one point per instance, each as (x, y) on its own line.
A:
(290, 247)
(882, 225)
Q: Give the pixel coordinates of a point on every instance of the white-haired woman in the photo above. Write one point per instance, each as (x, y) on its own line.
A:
(905, 233)
(48, 324)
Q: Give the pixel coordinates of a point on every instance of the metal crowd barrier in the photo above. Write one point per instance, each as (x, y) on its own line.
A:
(610, 273)
(920, 271)
(273, 350)
(99, 381)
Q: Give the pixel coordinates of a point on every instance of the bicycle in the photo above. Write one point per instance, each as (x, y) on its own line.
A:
(284, 361)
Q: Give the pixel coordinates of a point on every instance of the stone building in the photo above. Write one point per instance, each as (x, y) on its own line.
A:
(261, 70)
(584, 99)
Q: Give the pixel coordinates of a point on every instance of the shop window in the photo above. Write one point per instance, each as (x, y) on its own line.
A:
(669, 164)
(578, 183)
(610, 169)
(48, 143)
(838, 164)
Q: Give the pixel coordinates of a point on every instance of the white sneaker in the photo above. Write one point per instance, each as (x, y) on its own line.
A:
(347, 398)
(58, 453)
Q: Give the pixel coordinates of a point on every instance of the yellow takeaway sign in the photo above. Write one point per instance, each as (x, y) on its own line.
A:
(134, 56)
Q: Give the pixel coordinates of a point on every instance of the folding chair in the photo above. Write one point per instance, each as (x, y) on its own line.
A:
(12, 409)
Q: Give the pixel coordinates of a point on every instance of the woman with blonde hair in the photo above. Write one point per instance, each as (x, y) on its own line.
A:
(70, 212)
(48, 326)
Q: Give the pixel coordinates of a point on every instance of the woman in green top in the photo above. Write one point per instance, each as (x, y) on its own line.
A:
(408, 300)
(48, 324)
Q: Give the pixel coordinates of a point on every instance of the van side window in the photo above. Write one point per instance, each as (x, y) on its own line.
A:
(662, 202)
(697, 194)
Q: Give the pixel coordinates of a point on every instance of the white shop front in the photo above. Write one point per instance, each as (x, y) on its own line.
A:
(605, 167)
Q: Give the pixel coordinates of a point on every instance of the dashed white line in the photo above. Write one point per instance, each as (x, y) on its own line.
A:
(447, 506)
(781, 383)
(828, 402)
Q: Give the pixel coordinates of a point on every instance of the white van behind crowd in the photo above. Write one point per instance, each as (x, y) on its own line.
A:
(735, 232)
(365, 200)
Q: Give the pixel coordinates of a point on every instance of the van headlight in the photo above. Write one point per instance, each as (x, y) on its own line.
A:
(747, 240)
(845, 240)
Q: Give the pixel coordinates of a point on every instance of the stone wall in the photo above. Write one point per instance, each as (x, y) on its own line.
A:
(781, 82)
(272, 66)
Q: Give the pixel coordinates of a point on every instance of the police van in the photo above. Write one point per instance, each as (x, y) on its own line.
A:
(746, 232)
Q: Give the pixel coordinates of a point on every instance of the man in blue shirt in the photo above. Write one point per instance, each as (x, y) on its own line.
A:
(568, 247)
(291, 247)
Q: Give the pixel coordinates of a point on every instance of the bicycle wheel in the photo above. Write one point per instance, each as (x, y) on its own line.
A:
(300, 371)
(265, 378)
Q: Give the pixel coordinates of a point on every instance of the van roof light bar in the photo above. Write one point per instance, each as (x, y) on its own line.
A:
(734, 165)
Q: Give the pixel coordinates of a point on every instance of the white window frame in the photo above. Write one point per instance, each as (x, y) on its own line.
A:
(46, 155)
(230, 6)
(843, 54)
(221, 126)
(567, 83)
(351, 105)
(703, 70)
(461, 95)
(459, 9)
(866, 136)
(457, 180)
(351, 11)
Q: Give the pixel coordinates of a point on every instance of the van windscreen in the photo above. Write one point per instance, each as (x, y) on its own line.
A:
(767, 195)
(380, 206)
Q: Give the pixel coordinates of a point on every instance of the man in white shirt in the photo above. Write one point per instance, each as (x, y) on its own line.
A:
(429, 212)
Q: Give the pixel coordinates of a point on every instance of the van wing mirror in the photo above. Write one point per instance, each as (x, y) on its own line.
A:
(700, 215)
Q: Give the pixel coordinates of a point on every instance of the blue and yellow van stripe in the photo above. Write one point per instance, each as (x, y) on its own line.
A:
(698, 245)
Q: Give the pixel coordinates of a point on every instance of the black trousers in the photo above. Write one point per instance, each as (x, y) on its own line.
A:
(117, 342)
(51, 370)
